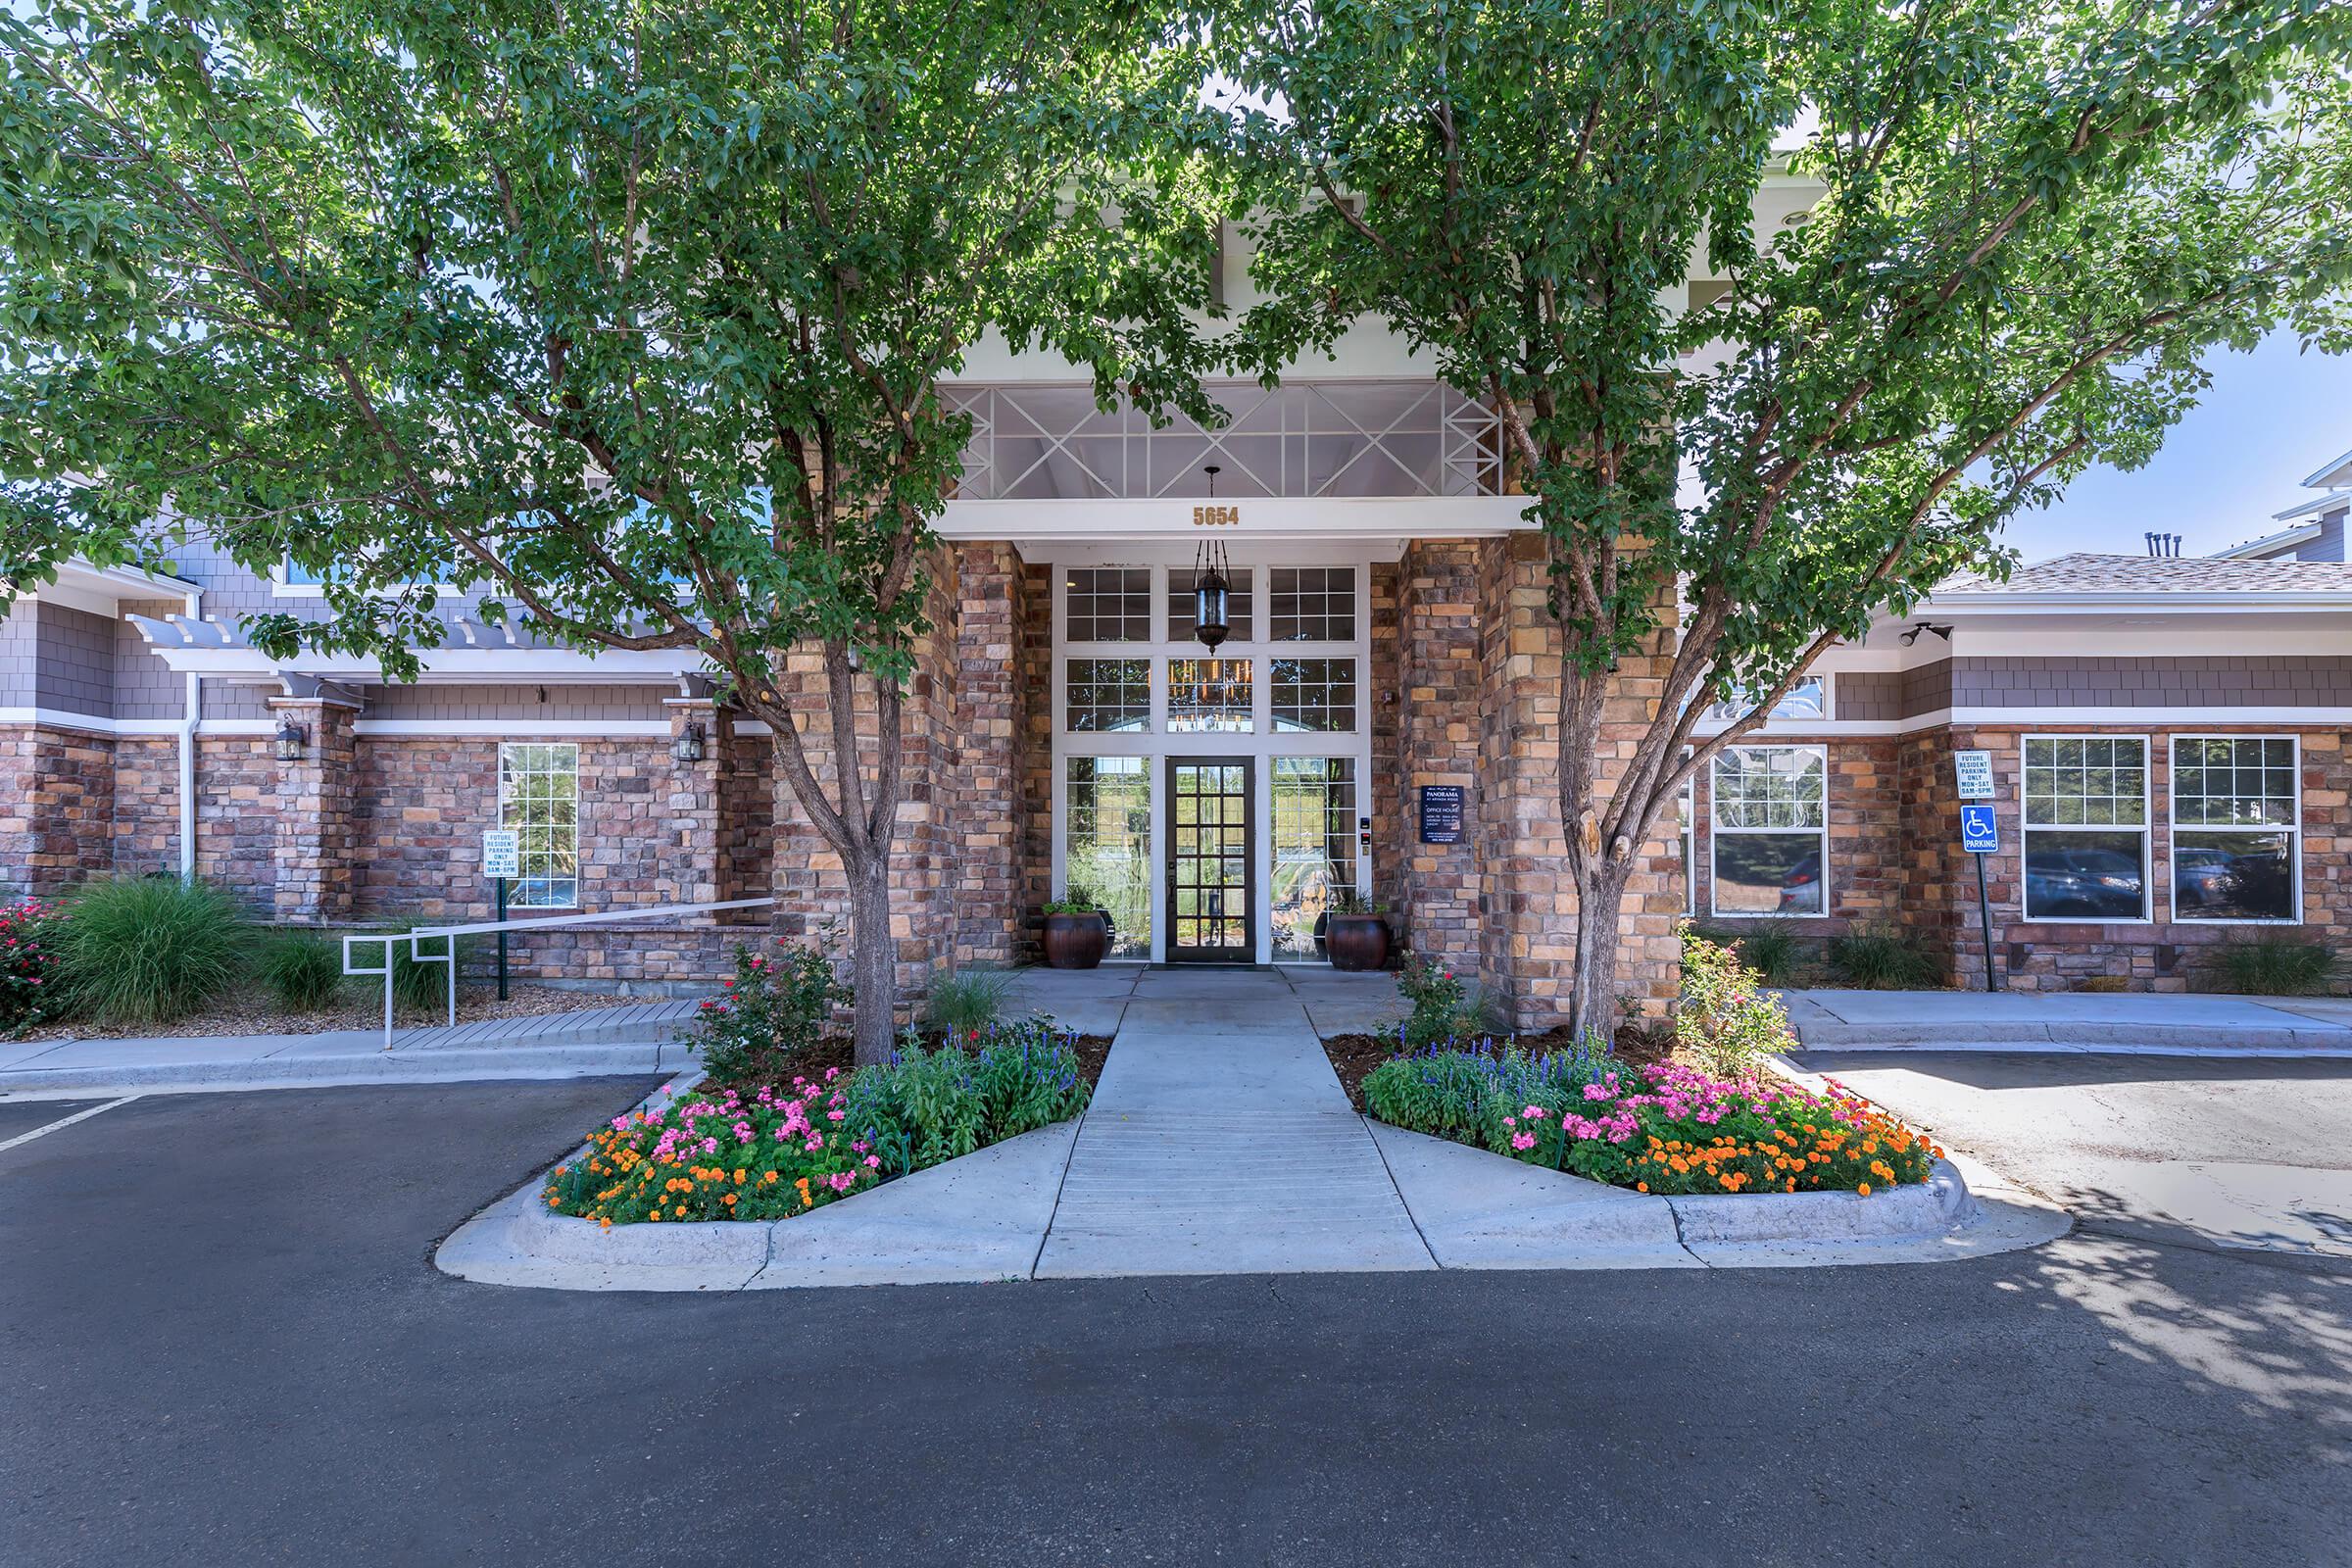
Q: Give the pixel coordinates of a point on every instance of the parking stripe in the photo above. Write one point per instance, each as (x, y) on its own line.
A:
(63, 1121)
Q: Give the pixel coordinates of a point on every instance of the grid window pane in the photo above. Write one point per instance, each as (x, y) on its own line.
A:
(2097, 781)
(1315, 694)
(1210, 697)
(1771, 786)
(2237, 840)
(1315, 848)
(2234, 782)
(2085, 827)
(1108, 605)
(539, 797)
(1312, 605)
(1107, 844)
(1240, 604)
(1105, 695)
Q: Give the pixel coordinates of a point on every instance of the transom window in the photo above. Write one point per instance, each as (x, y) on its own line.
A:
(1312, 605)
(1106, 695)
(539, 797)
(2087, 827)
(1771, 842)
(1210, 697)
(1807, 698)
(2237, 828)
(1315, 694)
(1108, 605)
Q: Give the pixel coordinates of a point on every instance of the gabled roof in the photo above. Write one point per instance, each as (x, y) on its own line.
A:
(2337, 472)
(2095, 574)
(2284, 539)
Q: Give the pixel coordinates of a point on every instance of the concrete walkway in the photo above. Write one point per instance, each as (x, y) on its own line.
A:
(2120, 1023)
(589, 1042)
(1220, 1142)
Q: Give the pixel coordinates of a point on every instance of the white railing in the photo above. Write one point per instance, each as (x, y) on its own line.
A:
(448, 935)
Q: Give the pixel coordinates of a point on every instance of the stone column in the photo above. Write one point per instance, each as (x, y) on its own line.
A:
(688, 871)
(314, 831)
(1439, 886)
(989, 722)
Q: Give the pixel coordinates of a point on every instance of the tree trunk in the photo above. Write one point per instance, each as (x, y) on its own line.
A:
(1592, 991)
(873, 958)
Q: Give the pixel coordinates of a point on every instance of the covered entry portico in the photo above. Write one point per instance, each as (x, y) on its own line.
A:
(1219, 801)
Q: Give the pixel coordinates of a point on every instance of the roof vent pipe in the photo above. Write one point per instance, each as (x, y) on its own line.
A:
(2163, 546)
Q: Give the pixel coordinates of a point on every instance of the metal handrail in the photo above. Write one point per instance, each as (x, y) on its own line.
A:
(450, 934)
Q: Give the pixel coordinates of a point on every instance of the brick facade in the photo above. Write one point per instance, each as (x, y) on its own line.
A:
(57, 806)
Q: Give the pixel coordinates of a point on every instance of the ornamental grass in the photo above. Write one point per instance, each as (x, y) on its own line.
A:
(1665, 1129)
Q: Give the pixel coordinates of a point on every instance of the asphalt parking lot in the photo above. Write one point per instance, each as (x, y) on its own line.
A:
(222, 1341)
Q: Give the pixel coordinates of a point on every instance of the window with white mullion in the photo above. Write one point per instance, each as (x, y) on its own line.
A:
(2237, 829)
(1771, 839)
(2085, 827)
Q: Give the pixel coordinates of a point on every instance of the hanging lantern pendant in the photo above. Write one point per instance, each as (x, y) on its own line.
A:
(1211, 586)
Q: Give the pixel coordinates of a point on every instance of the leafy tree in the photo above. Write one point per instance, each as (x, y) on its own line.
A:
(624, 317)
(2028, 222)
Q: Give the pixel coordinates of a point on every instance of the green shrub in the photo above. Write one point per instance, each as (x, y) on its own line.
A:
(781, 1151)
(965, 1002)
(1773, 952)
(2272, 967)
(1476, 1096)
(149, 949)
(1443, 1006)
(1727, 1020)
(303, 971)
(924, 1106)
(1882, 956)
(774, 1007)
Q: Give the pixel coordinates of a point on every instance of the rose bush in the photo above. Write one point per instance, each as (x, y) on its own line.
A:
(29, 995)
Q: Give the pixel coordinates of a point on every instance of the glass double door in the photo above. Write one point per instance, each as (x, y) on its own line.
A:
(1211, 886)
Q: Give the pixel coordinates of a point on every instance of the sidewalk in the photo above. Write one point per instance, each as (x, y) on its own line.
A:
(2119, 1023)
(588, 1042)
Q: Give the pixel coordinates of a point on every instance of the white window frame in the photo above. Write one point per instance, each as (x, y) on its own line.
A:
(1262, 744)
(2174, 827)
(579, 818)
(1716, 832)
(2147, 831)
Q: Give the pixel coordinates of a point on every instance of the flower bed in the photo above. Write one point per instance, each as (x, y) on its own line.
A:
(1658, 1128)
(771, 1151)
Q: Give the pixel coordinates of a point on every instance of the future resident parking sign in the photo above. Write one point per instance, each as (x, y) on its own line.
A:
(1974, 770)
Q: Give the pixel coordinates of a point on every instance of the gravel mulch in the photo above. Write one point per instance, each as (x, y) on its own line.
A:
(252, 1015)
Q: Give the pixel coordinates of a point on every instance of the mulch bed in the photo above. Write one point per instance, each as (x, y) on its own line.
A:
(1353, 1056)
(780, 1067)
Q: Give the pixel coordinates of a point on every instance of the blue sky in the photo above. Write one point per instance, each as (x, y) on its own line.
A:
(2271, 417)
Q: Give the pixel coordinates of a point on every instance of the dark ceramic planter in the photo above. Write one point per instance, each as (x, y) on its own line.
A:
(1076, 941)
(1357, 942)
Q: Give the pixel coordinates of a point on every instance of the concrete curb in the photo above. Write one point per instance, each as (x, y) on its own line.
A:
(1938, 1205)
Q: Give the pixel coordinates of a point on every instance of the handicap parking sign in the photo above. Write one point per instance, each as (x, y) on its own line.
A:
(1978, 833)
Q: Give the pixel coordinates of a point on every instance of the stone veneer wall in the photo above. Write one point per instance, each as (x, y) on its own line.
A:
(1439, 659)
(57, 805)
(992, 724)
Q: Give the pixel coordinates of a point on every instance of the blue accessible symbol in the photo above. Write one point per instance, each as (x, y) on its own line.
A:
(1978, 833)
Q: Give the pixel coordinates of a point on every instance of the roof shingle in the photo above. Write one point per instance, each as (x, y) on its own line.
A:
(2161, 574)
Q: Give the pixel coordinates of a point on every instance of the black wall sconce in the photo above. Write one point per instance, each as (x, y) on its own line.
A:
(689, 746)
(292, 739)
